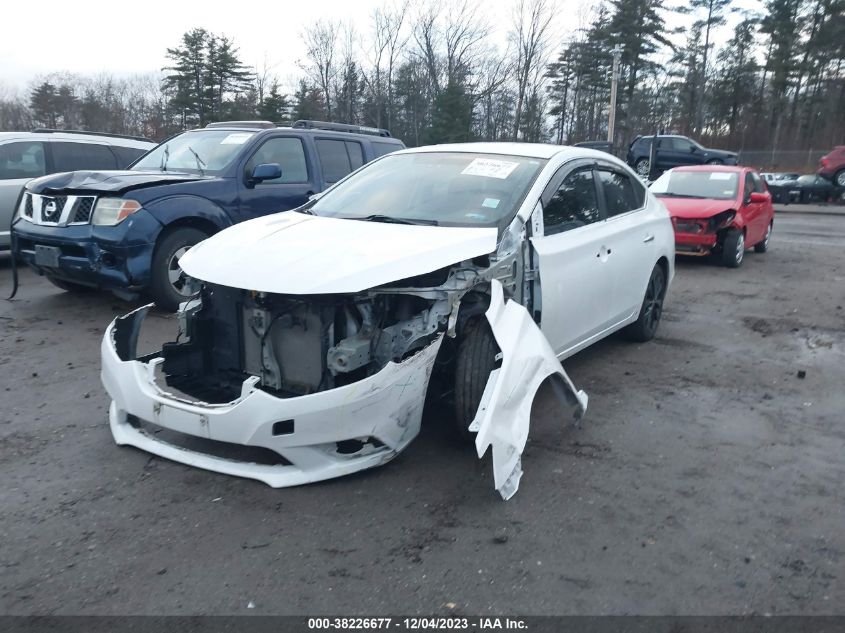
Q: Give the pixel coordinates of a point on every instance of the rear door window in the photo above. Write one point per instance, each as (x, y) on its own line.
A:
(335, 158)
(78, 156)
(21, 160)
(620, 195)
(288, 153)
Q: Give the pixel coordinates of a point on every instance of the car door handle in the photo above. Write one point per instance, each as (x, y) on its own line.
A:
(648, 238)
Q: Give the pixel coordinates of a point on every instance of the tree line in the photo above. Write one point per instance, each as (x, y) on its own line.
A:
(767, 79)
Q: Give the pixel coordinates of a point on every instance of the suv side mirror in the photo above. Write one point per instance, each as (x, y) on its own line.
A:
(265, 171)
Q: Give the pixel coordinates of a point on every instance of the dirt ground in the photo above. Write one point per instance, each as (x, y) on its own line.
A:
(706, 477)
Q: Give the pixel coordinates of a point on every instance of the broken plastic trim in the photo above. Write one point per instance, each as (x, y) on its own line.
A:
(504, 414)
(126, 330)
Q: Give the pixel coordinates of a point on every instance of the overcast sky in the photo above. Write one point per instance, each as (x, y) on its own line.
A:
(93, 36)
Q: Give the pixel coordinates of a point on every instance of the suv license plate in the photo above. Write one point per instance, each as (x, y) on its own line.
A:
(47, 256)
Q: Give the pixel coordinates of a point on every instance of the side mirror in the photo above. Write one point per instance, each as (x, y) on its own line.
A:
(315, 196)
(758, 196)
(265, 171)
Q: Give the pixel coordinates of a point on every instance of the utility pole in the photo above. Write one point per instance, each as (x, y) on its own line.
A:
(611, 122)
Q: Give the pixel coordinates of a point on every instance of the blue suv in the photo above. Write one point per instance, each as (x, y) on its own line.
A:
(124, 231)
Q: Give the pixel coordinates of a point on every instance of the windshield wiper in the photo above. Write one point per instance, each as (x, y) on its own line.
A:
(389, 219)
(200, 161)
(164, 158)
(679, 195)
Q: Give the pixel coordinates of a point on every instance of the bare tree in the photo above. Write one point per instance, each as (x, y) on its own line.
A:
(530, 36)
(320, 41)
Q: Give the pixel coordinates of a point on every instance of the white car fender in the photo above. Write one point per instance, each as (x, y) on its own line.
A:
(504, 414)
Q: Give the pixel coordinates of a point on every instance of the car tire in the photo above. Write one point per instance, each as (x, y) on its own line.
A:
(714, 161)
(166, 278)
(839, 178)
(762, 247)
(643, 168)
(475, 359)
(645, 327)
(733, 248)
(69, 286)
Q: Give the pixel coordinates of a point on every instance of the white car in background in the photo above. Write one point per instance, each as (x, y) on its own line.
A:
(308, 349)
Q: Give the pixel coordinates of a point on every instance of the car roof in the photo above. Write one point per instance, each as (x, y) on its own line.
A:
(527, 150)
(101, 139)
(726, 168)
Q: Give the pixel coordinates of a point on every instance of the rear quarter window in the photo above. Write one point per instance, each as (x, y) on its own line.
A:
(380, 149)
(126, 155)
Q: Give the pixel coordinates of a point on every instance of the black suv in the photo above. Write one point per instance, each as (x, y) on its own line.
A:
(674, 151)
(125, 231)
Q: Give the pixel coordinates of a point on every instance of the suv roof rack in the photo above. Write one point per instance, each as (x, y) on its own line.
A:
(49, 130)
(262, 125)
(339, 127)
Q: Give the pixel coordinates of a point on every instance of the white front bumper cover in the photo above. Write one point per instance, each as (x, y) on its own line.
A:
(387, 406)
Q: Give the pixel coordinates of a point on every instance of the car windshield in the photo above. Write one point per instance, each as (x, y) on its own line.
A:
(206, 152)
(719, 185)
(444, 188)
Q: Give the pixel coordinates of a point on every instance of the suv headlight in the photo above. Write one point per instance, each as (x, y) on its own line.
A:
(111, 211)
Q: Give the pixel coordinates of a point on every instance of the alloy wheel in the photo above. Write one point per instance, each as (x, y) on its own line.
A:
(654, 300)
(175, 273)
(740, 248)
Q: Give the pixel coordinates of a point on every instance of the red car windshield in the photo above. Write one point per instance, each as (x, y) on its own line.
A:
(717, 185)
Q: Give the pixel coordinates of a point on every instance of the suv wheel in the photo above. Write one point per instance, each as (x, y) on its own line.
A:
(167, 281)
(733, 248)
(714, 161)
(643, 167)
(839, 178)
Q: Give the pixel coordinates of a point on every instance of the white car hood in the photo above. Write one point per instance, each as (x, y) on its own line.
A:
(295, 253)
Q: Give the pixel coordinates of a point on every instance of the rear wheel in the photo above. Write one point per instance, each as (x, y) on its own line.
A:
(167, 280)
(762, 247)
(645, 327)
(476, 358)
(714, 161)
(643, 167)
(733, 248)
(69, 286)
(839, 178)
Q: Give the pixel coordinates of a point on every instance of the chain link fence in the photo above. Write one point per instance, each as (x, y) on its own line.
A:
(799, 161)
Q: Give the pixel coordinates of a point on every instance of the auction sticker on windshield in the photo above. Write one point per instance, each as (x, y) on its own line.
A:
(238, 138)
(721, 175)
(490, 168)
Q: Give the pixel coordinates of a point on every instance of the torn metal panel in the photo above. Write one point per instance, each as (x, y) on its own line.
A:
(321, 255)
(504, 414)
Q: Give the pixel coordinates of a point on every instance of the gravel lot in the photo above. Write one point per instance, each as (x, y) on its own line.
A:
(706, 477)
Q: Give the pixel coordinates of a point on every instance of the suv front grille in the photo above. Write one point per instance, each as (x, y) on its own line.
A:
(58, 210)
(81, 213)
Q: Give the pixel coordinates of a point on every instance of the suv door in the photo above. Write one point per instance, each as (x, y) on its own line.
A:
(680, 151)
(288, 192)
(20, 161)
(572, 256)
(630, 233)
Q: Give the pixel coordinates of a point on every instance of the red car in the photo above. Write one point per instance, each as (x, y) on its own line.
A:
(832, 166)
(717, 210)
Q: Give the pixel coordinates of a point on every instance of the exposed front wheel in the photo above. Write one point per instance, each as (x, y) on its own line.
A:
(475, 359)
(762, 247)
(167, 280)
(645, 327)
(839, 178)
(643, 167)
(733, 248)
(714, 161)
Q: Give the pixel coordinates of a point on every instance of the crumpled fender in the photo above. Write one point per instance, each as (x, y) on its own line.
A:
(504, 414)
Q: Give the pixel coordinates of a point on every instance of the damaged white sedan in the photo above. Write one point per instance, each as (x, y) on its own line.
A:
(308, 349)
